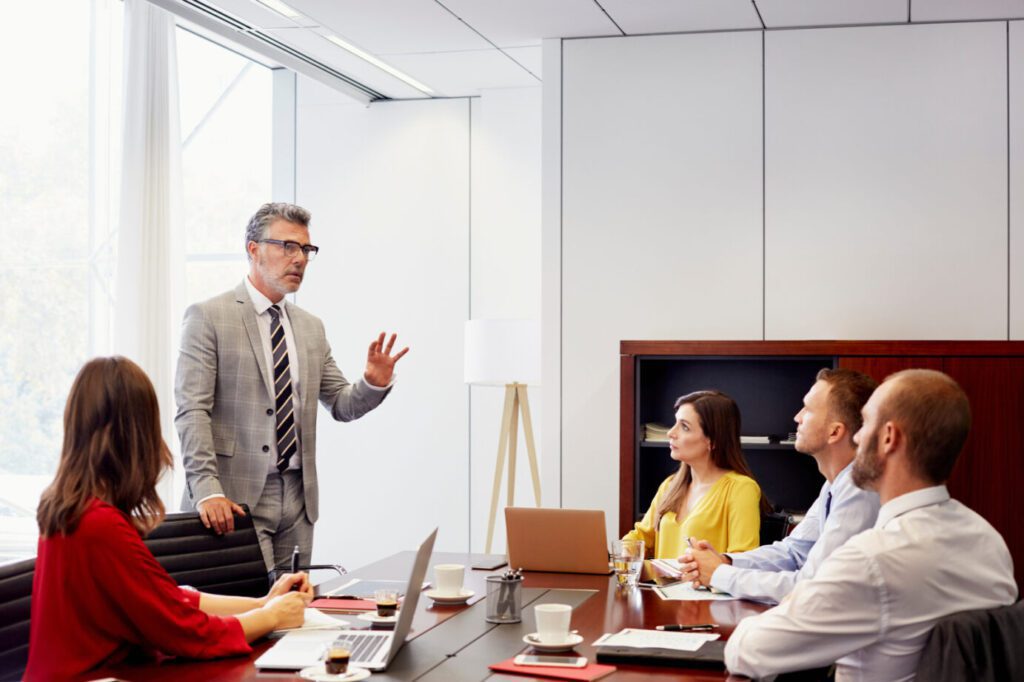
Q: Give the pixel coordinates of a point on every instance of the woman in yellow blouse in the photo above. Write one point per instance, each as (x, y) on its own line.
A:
(713, 496)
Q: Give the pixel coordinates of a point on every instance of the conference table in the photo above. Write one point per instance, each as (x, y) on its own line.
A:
(455, 643)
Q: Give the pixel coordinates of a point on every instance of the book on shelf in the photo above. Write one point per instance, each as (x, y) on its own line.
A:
(755, 440)
(656, 432)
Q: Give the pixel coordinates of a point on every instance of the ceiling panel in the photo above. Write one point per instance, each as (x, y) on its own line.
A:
(317, 47)
(464, 73)
(392, 26)
(677, 16)
(255, 14)
(783, 13)
(526, 22)
(950, 10)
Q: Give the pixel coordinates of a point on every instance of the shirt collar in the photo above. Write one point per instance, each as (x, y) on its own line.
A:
(910, 501)
(260, 302)
(842, 479)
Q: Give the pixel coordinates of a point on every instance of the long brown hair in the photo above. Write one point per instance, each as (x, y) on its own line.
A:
(112, 449)
(720, 421)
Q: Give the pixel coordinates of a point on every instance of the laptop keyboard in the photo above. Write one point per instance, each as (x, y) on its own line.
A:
(364, 647)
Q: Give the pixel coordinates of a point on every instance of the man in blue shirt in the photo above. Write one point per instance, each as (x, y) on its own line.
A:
(831, 415)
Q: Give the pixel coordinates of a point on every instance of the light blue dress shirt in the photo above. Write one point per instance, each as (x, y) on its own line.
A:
(768, 573)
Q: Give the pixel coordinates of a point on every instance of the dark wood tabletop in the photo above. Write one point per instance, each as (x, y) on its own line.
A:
(454, 643)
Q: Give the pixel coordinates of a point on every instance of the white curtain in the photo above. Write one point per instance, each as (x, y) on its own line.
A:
(149, 235)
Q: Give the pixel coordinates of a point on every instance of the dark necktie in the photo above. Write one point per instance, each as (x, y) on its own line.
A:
(287, 436)
(828, 504)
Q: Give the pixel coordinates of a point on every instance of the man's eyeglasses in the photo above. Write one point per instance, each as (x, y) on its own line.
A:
(291, 249)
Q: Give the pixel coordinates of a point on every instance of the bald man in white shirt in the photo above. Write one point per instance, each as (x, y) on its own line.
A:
(874, 601)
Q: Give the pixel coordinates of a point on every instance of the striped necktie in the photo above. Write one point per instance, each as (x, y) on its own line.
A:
(287, 436)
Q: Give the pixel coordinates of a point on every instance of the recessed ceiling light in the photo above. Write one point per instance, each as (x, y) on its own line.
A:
(280, 8)
(366, 56)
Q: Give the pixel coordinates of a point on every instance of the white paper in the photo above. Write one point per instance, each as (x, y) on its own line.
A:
(297, 649)
(318, 620)
(686, 592)
(656, 639)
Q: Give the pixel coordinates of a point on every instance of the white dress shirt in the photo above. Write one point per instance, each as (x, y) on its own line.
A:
(769, 573)
(873, 603)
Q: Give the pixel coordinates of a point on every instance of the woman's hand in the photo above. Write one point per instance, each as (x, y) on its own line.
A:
(299, 582)
(288, 610)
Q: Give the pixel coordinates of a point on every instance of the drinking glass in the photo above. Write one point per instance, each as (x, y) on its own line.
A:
(627, 560)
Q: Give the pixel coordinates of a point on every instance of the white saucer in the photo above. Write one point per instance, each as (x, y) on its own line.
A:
(571, 642)
(319, 673)
(460, 598)
(372, 617)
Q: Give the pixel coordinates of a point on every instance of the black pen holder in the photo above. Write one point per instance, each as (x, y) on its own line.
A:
(504, 599)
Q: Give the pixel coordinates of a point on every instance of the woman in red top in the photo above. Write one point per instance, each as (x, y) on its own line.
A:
(98, 594)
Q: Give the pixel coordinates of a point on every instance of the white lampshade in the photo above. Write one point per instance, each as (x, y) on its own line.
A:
(500, 352)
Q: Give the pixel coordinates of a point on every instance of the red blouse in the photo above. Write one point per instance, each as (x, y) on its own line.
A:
(99, 595)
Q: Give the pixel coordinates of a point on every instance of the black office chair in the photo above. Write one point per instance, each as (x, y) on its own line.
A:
(15, 610)
(194, 555)
(982, 646)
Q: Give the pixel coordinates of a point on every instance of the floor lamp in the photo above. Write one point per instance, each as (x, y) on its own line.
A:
(506, 353)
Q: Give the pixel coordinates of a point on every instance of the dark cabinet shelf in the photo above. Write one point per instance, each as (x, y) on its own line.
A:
(768, 380)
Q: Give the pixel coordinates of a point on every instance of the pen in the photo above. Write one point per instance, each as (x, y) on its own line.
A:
(676, 627)
(295, 565)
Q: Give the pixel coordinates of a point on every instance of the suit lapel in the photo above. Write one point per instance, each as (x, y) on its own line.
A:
(253, 330)
(302, 338)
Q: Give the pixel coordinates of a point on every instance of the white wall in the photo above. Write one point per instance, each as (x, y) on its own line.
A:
(885, 201)
(661, 228)
(886, 182)
(505, 283)
(427, 213)
(388, 186)
(1016, 128)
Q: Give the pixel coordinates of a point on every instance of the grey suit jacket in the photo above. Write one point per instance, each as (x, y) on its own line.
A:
(223, 390)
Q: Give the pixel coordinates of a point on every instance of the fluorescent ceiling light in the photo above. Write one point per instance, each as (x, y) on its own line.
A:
(366, 56)
(280, 8)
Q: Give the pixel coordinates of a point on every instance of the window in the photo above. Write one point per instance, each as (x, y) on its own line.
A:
(226, 130)
(58, 179)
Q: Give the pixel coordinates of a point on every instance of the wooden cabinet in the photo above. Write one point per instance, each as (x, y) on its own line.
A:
(768, 380)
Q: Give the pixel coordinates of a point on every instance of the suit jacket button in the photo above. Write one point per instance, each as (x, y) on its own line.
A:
(266, 448)
(269, 412)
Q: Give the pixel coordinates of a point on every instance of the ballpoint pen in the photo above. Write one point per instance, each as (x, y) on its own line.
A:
(677, 627)
(295, 565)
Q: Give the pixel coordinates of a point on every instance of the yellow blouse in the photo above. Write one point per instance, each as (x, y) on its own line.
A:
(728, 516)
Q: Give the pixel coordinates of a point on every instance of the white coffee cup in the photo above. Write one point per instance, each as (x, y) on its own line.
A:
(552, 622)
(449, 579)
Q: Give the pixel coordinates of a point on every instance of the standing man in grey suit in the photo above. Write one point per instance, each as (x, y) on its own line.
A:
(251, 369)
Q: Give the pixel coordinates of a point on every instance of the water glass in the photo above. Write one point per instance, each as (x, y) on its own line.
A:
(627, 560)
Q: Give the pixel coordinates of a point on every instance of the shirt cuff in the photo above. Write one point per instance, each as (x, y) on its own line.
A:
(380, 388)
(191, 596)
(209, 497)
(722, 578)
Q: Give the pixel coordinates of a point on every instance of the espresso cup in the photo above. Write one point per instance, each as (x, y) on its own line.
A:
(449, 579)
(337, 661)
(387, 602)
(552, 622)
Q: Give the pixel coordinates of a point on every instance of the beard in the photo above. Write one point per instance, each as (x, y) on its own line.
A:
(867, 468)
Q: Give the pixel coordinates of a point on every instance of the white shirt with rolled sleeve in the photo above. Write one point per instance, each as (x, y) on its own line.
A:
(768, 573)
(873, 603)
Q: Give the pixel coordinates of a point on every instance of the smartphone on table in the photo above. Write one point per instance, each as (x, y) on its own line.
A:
(557, 661)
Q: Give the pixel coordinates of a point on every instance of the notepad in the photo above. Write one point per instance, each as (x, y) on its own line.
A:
(591, 671)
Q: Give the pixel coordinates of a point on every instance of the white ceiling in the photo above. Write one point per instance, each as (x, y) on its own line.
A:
(460, 47)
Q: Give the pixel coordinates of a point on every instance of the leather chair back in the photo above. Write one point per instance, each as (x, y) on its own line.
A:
(15, 610)
(986, 645)
(229, 564)
(774, 526)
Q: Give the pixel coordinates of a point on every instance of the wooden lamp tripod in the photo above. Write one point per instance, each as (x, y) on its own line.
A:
(506, 353)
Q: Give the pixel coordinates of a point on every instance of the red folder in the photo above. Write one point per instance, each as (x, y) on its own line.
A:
(591, 671)
(325, 604)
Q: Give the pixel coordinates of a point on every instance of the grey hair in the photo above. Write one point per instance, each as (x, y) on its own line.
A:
(259, 225)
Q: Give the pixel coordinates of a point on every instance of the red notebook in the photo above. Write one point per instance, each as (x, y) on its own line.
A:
(325, 604)
(591, 671)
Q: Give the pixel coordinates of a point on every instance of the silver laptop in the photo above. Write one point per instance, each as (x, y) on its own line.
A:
(370, 649)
